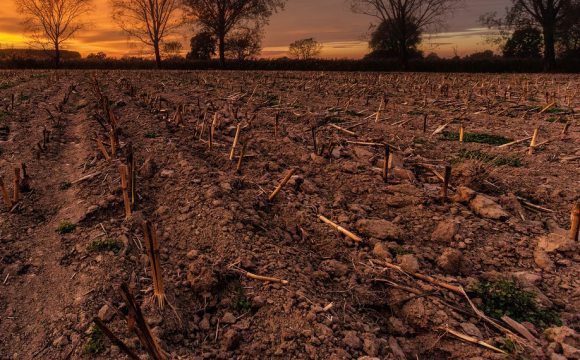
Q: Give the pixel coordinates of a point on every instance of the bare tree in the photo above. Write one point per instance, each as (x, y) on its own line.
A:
(548, 15)
(149, 21)
(222, 16)
(50, 23)
(305, 49)
(406, 16)
(172, 49)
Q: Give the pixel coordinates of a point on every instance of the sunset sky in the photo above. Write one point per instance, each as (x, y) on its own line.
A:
(329, 21)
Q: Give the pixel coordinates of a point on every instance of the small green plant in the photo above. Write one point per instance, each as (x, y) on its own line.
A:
(512, 161)
(481, 138)
(5, 113)
(241, 300)
(419, 141)
(65, 185)
(94, 343)
(23, 97)
(65, 227)
(505, 297)
(399, 250)
(81, 106)
(105, 245)
(150, 134)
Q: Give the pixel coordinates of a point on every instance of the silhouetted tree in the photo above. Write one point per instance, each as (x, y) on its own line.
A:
(385, 43)
(244, 44)
(524, 43)
(407, 16)
(568, 34)
(203, 46)
(50, 23)
(98, 56)
(222, 16)
(172, 49)
(547, 15)
(305, 49)
(149, 21)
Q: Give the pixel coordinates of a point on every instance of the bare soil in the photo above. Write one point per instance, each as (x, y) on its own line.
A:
(215, 223)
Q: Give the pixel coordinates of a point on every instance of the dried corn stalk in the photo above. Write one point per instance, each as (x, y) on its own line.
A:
(154, 258)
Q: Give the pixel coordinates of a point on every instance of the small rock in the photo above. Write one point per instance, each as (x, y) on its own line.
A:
(192, 254)
(334, 268)
(380, 229)
(351, 340)
(556, 242)
(381, 251)
(229, 318)
(487, 208)
(450, 261)
(563, 335)
(409, 263)
(167, 173)
(463, 194)
(445, 231)
(231, 340)
(398, 353)
(472, 330)
(542, 259)
(106, 313)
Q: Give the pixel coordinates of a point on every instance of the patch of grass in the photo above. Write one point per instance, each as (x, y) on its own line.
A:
(505, 297)
(22, 97)
(65, 227)
(241, 300)
(65, 185)
(419, 141)
(105, 245)
(94, 344)
(480, 138)
(6, 86)
(5, 113)
(354, 113)
(399, 250)
(512, 161)
(150, 134)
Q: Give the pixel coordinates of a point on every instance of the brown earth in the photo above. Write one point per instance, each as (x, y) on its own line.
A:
(215, 223)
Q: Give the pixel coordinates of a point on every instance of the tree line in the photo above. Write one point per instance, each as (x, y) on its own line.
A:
(235, 28)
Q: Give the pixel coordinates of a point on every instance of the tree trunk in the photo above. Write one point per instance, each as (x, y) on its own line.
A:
(404, 54)
(57, 55)
(222, 49)
(549, 51)
(157, 56)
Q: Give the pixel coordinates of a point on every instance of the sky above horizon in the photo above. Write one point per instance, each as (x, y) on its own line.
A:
(329, 21)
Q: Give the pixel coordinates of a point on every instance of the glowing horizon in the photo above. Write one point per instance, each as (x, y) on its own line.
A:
(339, 30)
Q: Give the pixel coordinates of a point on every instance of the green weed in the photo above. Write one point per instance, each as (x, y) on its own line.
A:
(65, 227)
(481, 138)
(105, 245)
(65, 185)
(512, 161)
(94, 343)
(505, 297)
